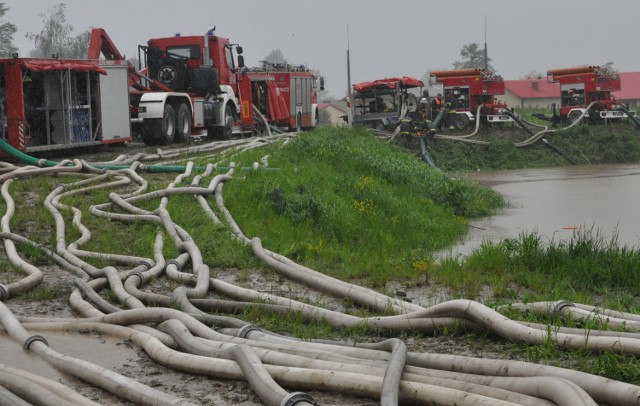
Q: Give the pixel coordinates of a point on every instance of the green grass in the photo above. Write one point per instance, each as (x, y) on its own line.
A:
(586, 269)
(584, 144)
(353, 206)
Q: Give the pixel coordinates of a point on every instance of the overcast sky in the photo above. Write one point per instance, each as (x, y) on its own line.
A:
(386, 38)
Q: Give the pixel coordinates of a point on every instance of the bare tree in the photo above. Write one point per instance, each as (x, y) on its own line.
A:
(55, 36)
(534, 74)
(473, 57)
(6, 34)
(276, 57)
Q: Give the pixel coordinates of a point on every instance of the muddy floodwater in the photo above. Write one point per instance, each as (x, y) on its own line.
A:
(558, 202)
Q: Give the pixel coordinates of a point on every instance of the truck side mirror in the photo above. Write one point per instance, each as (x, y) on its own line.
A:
(240, 61)
(239, 49)
(321, 83)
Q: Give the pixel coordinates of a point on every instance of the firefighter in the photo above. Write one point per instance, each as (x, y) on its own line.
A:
(423, 108)
(436, 105)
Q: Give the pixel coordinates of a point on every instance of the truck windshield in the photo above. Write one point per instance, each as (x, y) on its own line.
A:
(188, 51)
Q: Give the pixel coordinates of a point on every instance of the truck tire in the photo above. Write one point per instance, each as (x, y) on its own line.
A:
(574, 116)
(168, 125)
(160, 130)
(183, 123)
(149, 131)
(461, 121)
(226, 131)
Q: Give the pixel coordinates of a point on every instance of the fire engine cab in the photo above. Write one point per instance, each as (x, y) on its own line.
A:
(465, 90)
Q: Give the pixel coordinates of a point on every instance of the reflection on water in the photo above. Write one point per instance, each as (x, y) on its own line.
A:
(557, 202)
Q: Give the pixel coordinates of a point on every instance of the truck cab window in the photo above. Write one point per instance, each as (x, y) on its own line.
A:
(188, 51)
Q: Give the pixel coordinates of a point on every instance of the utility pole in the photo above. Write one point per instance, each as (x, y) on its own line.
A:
(351, 103)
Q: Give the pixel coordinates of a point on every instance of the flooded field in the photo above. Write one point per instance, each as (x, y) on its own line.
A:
(557, 202)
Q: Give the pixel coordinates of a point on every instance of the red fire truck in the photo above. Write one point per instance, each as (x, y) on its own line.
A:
(586, 91)
(296, 91)
(48, 104)
(192, 85)
(185, 85)
(467, 89)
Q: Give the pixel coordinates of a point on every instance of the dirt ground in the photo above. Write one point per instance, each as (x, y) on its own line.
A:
(125, 358)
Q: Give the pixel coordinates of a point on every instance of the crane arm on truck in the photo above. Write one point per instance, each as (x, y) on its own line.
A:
(101, 43)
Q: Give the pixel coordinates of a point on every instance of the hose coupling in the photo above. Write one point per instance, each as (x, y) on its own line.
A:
(298, 398)
(4, 292)
(148, 264)
(246, 329)
(27, 343)
(561, 304)
(138, 274)
(173, 262)
(41, 163)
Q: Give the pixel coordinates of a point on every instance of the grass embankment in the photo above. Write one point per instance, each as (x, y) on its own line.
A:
(585, 145)
(355, 207)
(359, 209)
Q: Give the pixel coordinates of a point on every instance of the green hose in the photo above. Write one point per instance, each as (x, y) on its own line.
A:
(45, 163)
(423, 152)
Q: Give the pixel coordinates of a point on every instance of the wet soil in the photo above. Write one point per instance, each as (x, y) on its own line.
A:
(127, 359)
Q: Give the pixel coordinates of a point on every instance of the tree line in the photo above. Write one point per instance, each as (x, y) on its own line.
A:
(58, 37)
(55, 38)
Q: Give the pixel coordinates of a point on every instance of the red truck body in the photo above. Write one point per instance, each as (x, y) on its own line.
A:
(293, 102)
(584, 86)
(50, 103)
(197, 85)
(467, 89)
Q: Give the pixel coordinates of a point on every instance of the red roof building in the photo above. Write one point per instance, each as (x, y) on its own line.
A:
(332, 114)
(531, 93)
(629, 88)
(539, 93)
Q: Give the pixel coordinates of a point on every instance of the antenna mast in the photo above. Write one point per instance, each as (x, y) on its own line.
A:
(351, 104)
(486, 58)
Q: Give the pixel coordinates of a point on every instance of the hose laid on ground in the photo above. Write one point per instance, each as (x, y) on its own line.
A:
(385, 371)
(568, 310)
(529, 141)
(62, 391)
(115, 383)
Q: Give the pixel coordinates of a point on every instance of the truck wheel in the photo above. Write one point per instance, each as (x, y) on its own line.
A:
(574, 116)
(226, 131)
(167, 130)
(461, 121)
(183, 123)
(160, 130)
(150, 129)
